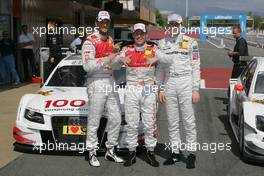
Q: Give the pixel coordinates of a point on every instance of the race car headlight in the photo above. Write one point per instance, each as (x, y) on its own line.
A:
(34, 116)
(249, 129)
(260, 122)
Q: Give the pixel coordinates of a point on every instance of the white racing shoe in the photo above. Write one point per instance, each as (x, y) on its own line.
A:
(93, 161)
(111, 156)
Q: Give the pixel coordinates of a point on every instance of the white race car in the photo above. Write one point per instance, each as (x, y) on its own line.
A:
(57, 114)
(246, 110)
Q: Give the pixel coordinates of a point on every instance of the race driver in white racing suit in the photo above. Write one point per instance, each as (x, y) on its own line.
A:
(97, 52)
(141, 93)
(181, 83)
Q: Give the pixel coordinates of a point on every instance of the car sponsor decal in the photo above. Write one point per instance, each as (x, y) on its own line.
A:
(45, 93)
(76, 63)
(257, 101)
(74, 130)
(63, 105)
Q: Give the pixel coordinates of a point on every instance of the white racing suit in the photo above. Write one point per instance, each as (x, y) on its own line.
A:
(141, 95)
(95, 56)
(179, 80)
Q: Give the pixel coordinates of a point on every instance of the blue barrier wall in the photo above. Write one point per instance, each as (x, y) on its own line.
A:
(203, 23)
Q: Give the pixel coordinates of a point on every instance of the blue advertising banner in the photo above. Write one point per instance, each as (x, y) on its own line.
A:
(203, 23)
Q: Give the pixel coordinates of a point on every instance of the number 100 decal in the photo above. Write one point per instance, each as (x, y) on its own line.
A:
(63, 103)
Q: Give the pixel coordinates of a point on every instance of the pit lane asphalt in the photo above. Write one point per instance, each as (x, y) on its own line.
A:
(212, 126)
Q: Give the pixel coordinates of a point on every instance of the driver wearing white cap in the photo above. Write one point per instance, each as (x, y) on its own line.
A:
(97, 53)
(181, 80)
(140, 75)
(141, 93)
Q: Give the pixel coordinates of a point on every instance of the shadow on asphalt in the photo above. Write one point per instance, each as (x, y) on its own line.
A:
(28, 150)
(224, 119)
(228, 129)
(234, 145)
(223, 99)
(162, 151)
(10, 87)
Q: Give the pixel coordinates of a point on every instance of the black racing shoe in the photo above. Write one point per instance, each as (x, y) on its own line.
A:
(174, 158)
(150, 158)
(131, 159)
(86, 156)
(190, 163)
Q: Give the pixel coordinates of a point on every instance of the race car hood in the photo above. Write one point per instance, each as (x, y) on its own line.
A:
(60, 101)
(251, 110)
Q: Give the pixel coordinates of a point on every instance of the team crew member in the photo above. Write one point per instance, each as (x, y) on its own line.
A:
(7, 51)
(140, 96)
(181, 81)
(240, 49)
(76, 44)
(97, 53)
(55, 45)
(26, 41)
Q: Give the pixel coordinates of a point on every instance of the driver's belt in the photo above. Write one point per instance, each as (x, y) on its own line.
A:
(101, 75)
(177, 52)
(175, 75)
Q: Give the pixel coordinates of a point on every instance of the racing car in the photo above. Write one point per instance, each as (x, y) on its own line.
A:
(246, 110)
(57, 113)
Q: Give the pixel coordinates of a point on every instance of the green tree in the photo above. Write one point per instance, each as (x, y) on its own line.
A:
(257, 21)
(159, 19)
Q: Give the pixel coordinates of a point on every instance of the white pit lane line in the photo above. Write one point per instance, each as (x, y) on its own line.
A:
(215, 45)
(202, 84)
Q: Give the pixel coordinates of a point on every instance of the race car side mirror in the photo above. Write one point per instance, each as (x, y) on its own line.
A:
(239, 88)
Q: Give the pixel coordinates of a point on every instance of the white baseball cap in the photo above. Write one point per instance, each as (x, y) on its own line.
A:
(102, 15)
(175, 17)
(139, 26)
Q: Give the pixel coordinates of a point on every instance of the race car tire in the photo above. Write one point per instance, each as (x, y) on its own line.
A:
(241, 137)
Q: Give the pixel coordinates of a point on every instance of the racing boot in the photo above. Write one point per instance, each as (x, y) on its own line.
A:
(175, 157)
(190, 162)
(150, 158)
(131, 159)
(92, 158)
(111, 156)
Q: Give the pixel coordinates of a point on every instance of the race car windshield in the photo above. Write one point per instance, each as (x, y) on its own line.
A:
(259, 87)
(68, 76)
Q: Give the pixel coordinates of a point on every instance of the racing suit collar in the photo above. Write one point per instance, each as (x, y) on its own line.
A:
(103, 37)
(176, 39)
(140, 48)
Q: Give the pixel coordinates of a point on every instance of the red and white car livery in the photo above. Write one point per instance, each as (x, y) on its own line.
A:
(58, 112)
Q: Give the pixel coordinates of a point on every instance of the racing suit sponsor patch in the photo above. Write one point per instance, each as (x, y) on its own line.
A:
(148, 52)
(100, 60)
(184, 44)
(87, 55)
(195, 56)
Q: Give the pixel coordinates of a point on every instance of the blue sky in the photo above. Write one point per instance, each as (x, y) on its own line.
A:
(200, 7)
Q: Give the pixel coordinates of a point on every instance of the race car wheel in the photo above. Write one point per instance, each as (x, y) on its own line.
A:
(241, 137)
